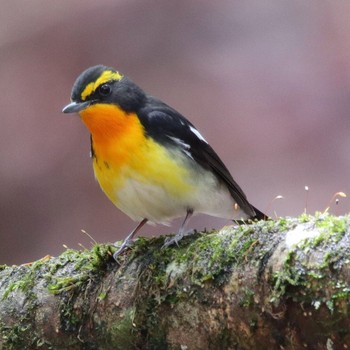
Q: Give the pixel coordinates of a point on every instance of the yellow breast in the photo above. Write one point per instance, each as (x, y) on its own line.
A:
(124, 155)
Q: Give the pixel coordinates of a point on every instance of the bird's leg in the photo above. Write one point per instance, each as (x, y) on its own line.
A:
(128, 240)
(182, 231)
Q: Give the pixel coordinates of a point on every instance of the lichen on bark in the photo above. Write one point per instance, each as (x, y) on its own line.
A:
(281, 284)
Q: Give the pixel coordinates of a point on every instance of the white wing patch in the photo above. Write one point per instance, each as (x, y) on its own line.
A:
(184, 146)
(198, 134)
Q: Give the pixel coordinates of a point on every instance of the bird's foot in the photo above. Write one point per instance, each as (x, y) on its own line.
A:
(125, 245)
(177, 238)
(128, 242)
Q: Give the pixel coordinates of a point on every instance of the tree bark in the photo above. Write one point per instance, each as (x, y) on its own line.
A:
(281, 284)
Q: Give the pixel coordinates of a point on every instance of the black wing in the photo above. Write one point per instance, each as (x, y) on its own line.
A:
(168, 127)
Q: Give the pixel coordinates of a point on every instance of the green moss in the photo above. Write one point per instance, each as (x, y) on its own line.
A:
(102, 296)
(86, 264)
(16, 336)
(315, 274)
(303, 218)
(247, 299)
(288, 276)
(18, 285)
(13, 336)
(209, 256)
(72, 272)
(334, 227)
(76, 269)
(200, 262)
(25, 278)
(24, 282)
(121, 332)
(283, 224)
(311, 272)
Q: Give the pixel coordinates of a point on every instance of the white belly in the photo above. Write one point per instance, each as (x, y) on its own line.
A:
(141, 199)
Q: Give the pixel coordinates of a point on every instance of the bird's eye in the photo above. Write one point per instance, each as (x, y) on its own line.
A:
(104, 90)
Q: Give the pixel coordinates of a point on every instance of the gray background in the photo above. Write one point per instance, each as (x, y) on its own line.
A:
(266, 82)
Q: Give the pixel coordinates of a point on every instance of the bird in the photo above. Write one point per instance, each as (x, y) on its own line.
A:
(151, 161)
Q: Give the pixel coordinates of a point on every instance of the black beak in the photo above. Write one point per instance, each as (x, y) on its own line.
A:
(74, 107)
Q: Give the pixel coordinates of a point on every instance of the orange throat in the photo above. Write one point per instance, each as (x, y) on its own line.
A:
(115, 133)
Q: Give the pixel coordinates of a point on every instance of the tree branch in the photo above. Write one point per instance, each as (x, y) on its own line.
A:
(281, 284)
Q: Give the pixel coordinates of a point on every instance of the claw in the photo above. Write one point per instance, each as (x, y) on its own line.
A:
(128, 240)
(126, 244)
(171, 240)
(177, 238)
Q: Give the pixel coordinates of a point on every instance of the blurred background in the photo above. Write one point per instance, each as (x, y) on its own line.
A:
(267, 83)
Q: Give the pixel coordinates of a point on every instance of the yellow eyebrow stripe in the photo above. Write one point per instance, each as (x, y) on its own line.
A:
(103, 78)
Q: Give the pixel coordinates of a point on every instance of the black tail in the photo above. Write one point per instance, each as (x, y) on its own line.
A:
(260, 215)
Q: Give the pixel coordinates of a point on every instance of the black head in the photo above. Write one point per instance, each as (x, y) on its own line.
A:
(101, 84)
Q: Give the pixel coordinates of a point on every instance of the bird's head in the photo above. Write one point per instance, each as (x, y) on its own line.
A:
(104, 85)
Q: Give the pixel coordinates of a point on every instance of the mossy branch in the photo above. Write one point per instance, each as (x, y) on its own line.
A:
(281, 284)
